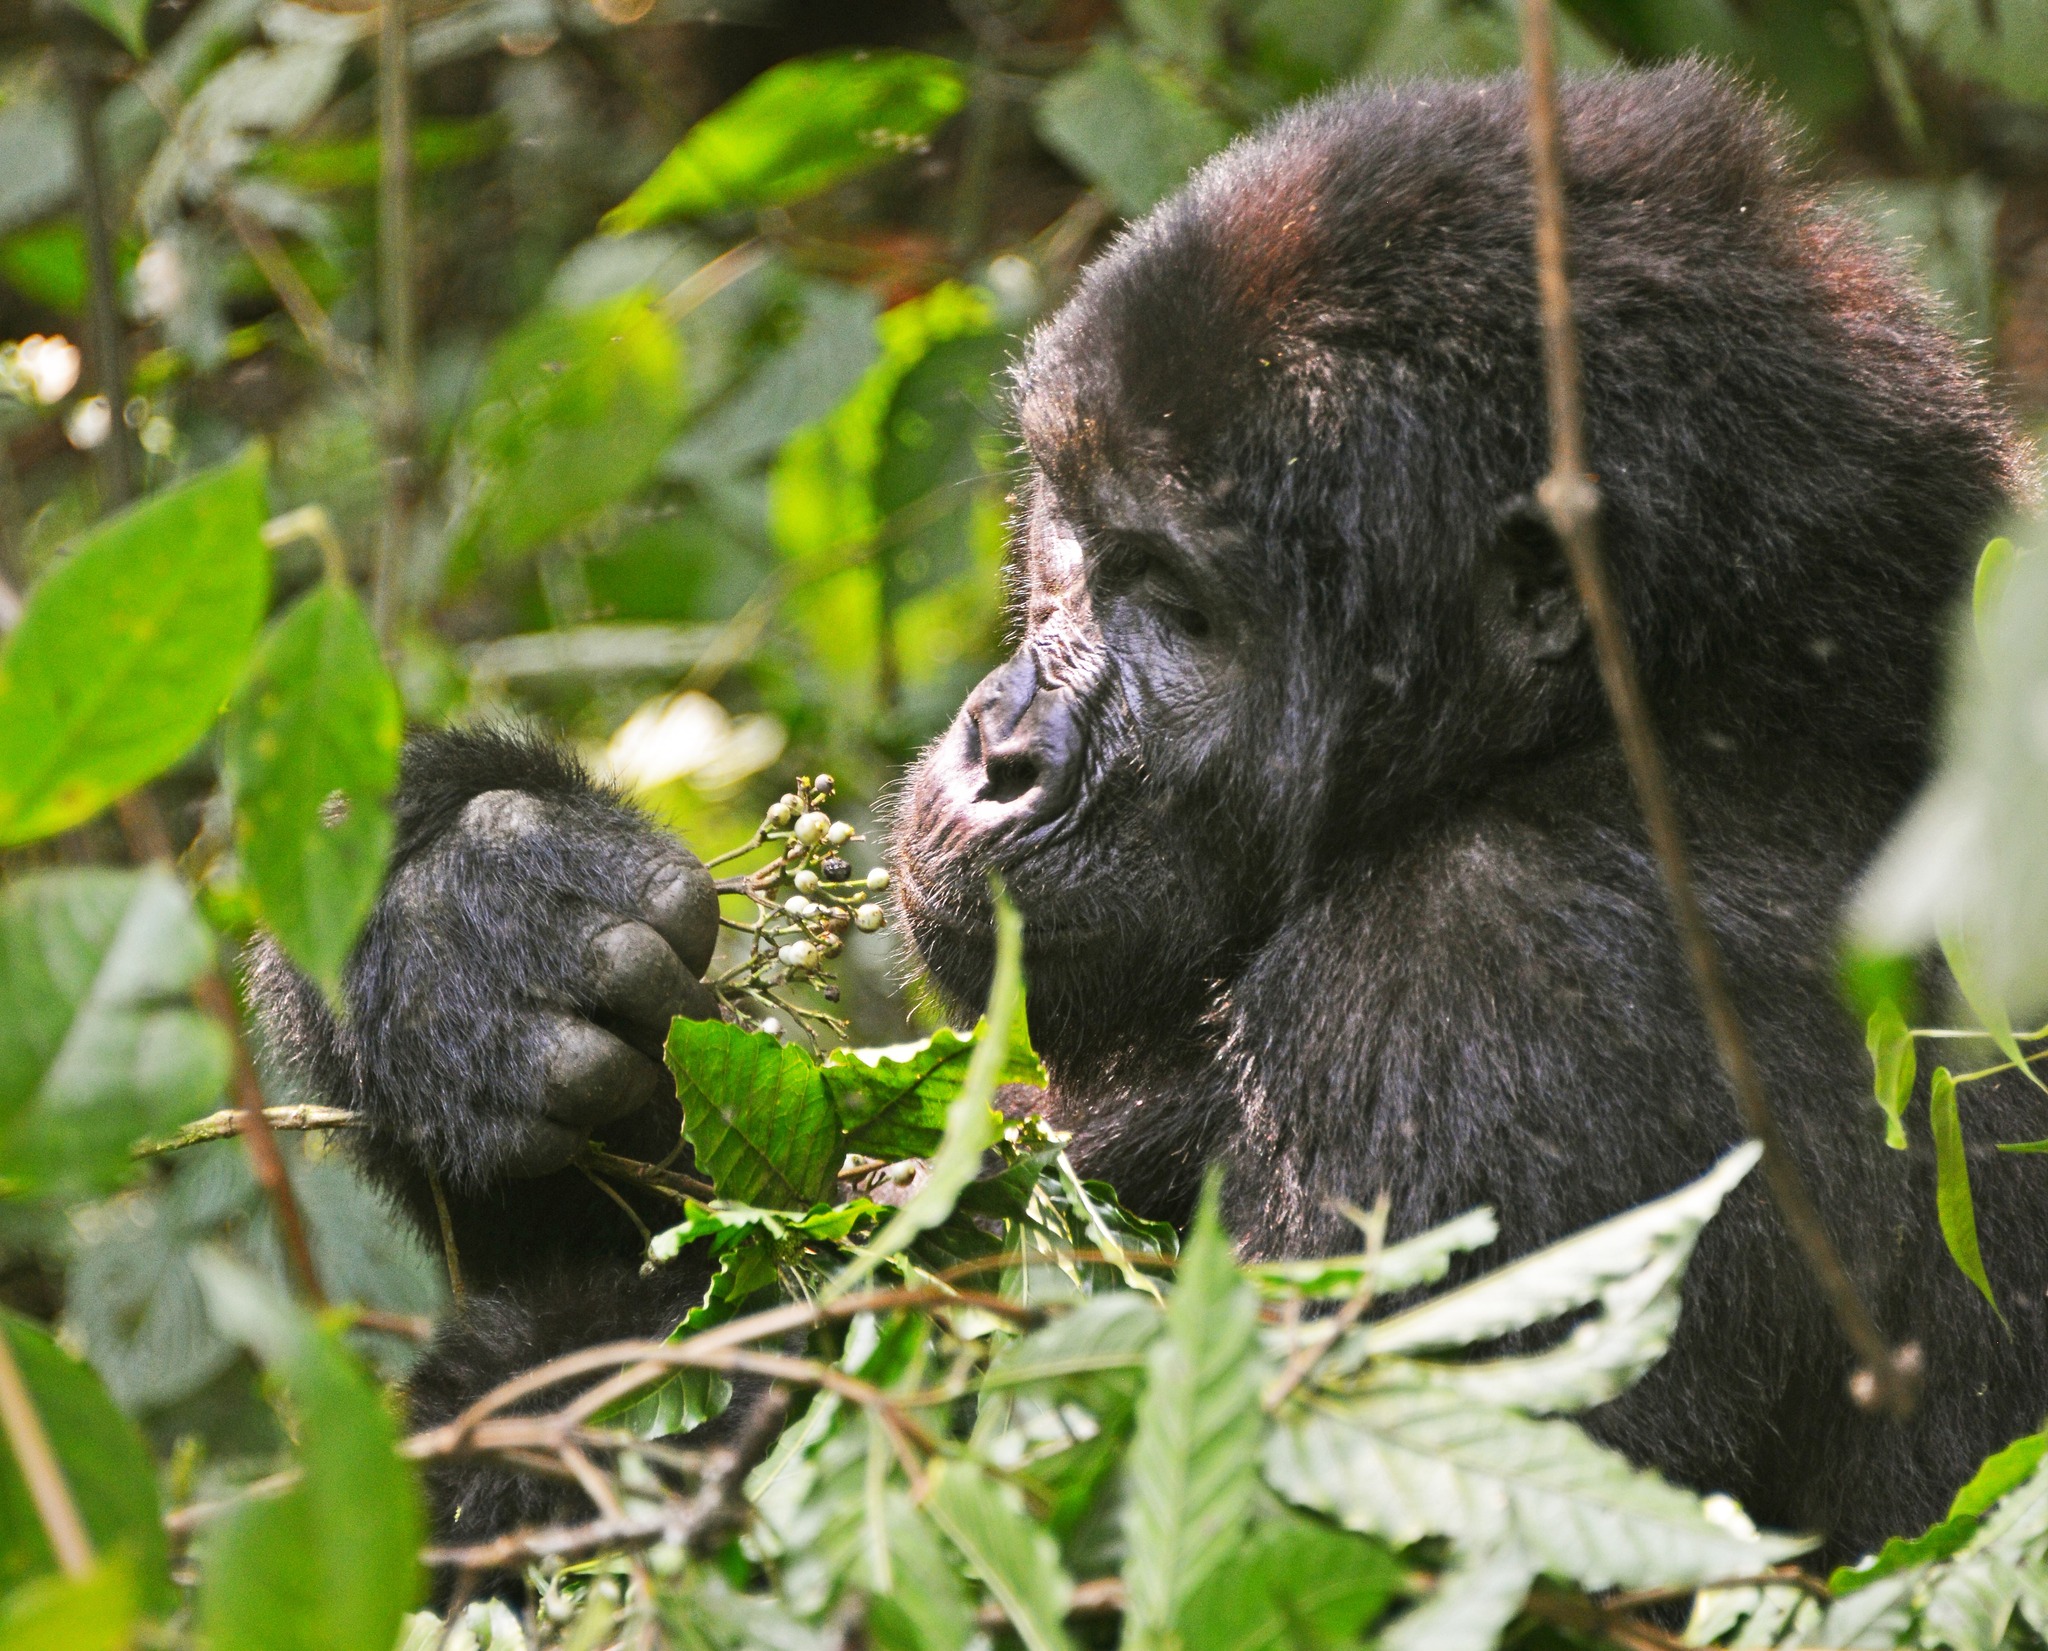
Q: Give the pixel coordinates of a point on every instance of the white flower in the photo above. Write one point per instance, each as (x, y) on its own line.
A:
(90, 423)
(50, 365)
(690, 737)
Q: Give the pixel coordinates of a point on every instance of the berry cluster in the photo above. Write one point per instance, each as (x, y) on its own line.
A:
(805, 900)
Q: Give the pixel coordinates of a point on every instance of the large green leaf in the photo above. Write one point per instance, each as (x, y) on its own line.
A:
(892, 1101)
(1296, 1584)
(1402, 1460)
(575, 409)
(1130, 126)
(312, 755)
(2001, 1472)
(798, 128)
(97, 1046)
(94, 1612)
(1192, 1472)
(1016, 1559)
(1953, 1205)
(128, 648)
(756, 1113)
(105, 1464)
(333, 1565)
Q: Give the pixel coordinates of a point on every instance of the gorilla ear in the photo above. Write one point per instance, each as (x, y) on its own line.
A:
(1526, 585)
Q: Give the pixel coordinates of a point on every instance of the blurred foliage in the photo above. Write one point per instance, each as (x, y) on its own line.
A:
(699, 455)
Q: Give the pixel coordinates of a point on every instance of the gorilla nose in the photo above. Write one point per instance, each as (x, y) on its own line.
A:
(1022, 736)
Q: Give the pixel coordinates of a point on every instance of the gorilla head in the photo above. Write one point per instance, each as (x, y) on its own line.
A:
(1283, 603)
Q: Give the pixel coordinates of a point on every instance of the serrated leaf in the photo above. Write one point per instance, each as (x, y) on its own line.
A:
(1297, 1584)
(575, 410)
(1416, 1261)
(756, 1113)
(97, 1043)
(1015, 1559)
(1893, 1062)
(798, 128)
(105, 1464)
(892, 1101)
(332, 1565)
(1952, 1201)
(1412, 1459)
(312, 756)
(972, 1124)
(1654, 1239)
(128, 647)
(1192, 1470)
(1476, 1597)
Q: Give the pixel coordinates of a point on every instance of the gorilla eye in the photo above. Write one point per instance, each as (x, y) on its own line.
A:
(1131, 567)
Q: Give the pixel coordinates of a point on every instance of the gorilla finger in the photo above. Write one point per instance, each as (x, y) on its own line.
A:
(542, 1147)
(637, 983)
(590, 1077)
(682, 907)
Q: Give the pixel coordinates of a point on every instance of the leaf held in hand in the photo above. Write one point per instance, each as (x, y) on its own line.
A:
(756, 1113)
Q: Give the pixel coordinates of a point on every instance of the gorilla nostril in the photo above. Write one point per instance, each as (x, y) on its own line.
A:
(1009, 776)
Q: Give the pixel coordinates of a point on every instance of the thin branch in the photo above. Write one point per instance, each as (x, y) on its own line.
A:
(218, 1126)
(40, 1469)
(1313, 1351)
(1571, 501)
(342, 357)
(265, 1158)
(647, 1175)
(399, 415)
(108, 358)
(721, 1505)
(450, 1255)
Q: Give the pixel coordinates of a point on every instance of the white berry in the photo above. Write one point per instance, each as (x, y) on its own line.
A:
(811, 827)
(797, 906)
(799, 954)
(779, 816)
(841, 831)
(806, 881)
(869, 918)
(878, 880)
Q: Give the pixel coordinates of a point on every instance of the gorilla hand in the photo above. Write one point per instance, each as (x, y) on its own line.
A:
(513, 988)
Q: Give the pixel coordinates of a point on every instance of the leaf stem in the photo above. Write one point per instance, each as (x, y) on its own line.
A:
(399, 414)
(29, 1440)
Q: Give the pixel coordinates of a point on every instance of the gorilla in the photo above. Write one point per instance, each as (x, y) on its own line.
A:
(1301, 777)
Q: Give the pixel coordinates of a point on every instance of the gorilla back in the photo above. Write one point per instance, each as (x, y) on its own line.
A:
(1303, 782)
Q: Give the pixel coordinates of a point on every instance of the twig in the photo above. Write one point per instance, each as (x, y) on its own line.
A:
(1571, 501)
(399, 414)
(669, 1181)
(184, 1521)
(450, 1255)
(343, 358)
(265, 1158)
(1312, 1352)
(103, 313)
(722, 1506)
(561, 1542)
(218, 1126)
(1100, 1596)
(40, 1469)
(311, 521)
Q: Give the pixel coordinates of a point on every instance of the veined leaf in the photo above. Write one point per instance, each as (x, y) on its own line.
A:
(1952, 1201)
(1131, 126)
(97, 1046)
(756, 1113)
(1412, 1459)
(972, 1124)
(1891, 1055)
(1656, 1237)
(2001, 1472)
(107, 1469)
(1016, 1560)
(1423, 1259)
(312, 755)
(333, 1564)
(798, 128)
(128, 647)
(892, 1100)
(1297, 1584)
(1476, 1597)
(1192, 1471)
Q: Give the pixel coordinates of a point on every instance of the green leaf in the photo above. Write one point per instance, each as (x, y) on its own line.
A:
(1295, 1585)
(1952, 1199)
(312, 755)
(128, 648)
(1404, 1459)
(795, 130)
(105, 1464)
(2001, 1473)
(1017, 1560)
(95, 1612)
(892, 1101)
(574, 410)
(920, 1605)
(1131, 127)
(332, 1565)
(972, 1124)
(1985, 1003)
(1192, 1471)
(96, 1046)
(123, 19)
(1994, 573)
(756, 1113)
(1423, 1259)
(1477, 1595)
(1892, 1058)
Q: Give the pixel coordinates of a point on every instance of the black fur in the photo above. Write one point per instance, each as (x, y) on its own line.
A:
(1303, 780)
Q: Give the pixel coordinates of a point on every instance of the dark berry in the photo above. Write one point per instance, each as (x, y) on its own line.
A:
(834, 869)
